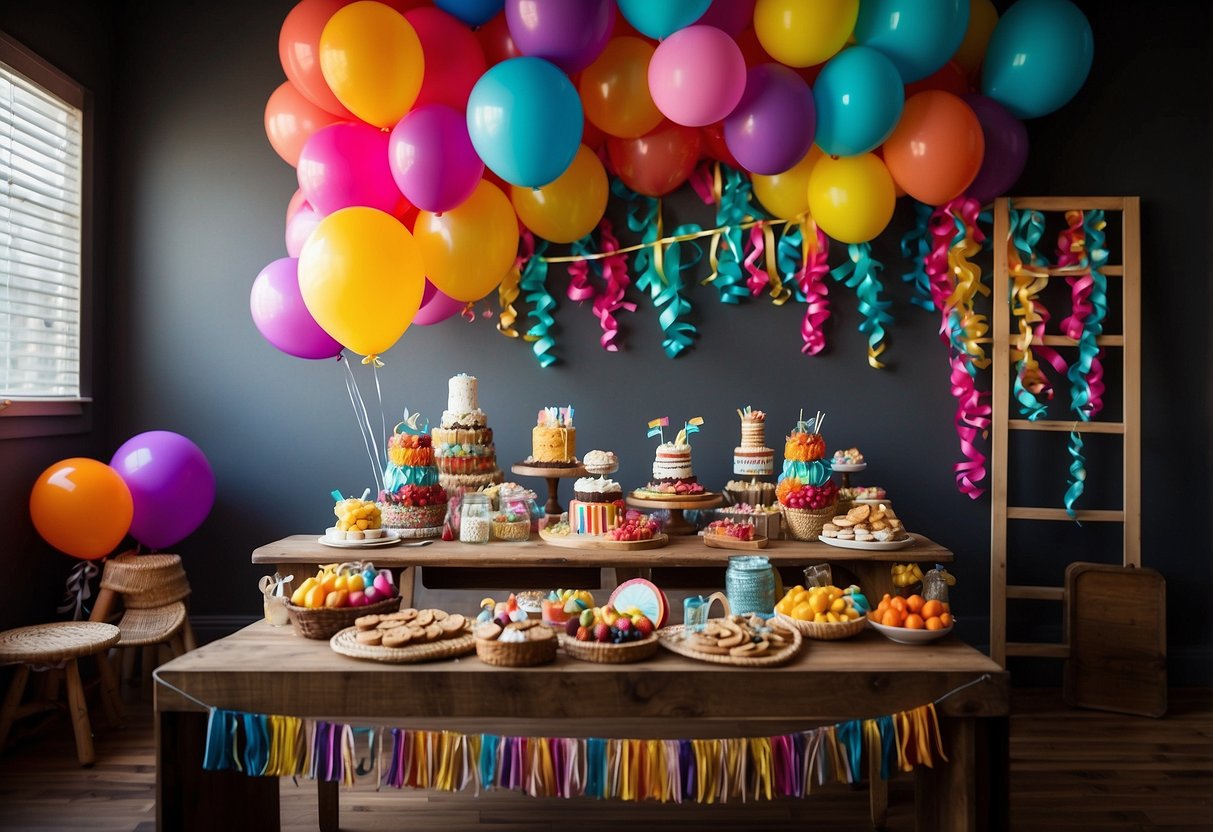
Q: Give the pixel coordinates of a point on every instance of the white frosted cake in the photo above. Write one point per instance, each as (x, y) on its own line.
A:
(672, 463)
(753, 458)
(463, 444)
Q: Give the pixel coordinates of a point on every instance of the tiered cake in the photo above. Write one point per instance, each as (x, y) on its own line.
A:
(753, 458)
(598, 505)
(412, 497)
(673, 475)
(805, 482)
(554, 439)
(463, 444)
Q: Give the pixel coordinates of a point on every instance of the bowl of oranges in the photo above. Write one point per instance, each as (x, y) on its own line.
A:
(912, 620)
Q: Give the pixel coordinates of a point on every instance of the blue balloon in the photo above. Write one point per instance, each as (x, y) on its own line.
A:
(918, 36)
(525, 120)
(471, 12)
(661, 18)
(859, 97)
(1038, 57)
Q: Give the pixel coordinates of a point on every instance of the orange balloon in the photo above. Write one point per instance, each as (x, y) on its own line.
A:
(569, 208)
(299, 52)
(290, 120)
(468, 249)
(936, 149)
(615, 89)
(81, 507)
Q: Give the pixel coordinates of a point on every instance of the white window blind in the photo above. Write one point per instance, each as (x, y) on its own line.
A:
(41, 142)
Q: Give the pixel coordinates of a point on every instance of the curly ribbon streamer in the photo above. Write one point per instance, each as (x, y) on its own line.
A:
(731, 195)
(679, 334)
(534, 284)
(802, 254)
(76, 590)
(860, 273)
(508, 291)
(915, 246)
(1031, 387)
(611, 300)
(580, 289)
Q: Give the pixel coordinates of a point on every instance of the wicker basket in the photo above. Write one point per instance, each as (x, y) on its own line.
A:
(326, 622)
(516, 530)
(516, 653)
(825, 632)
(626, 653)
(804, 523)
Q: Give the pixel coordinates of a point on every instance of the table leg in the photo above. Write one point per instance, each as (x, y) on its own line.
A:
(78, 709)
(945, 796)
(111, 700)
(407, 584)
(327, 805)
(993, 748)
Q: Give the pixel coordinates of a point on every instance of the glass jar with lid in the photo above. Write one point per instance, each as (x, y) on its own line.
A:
(475, 519)
(749, 583)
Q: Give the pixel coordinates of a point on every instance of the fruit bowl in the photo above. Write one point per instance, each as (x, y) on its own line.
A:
(904, 635)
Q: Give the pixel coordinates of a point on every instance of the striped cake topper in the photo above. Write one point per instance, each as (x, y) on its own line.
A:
(688, 427)
(656, 426)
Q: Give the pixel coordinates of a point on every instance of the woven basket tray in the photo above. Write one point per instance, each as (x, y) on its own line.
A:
(824, 632)
(593, 651)
(516, 653)
(671, 639)
(325, 622)
(346, 644)
(805, 524)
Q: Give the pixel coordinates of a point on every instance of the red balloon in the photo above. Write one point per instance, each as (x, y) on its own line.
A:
(592, 137)
(497, 42)
(936, 149)
(714, 146)
(454, 59)
(659, 161)
(949, 78)
(290, 120)
(299, 52)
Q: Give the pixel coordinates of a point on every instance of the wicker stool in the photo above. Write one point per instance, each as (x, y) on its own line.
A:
(63, 641)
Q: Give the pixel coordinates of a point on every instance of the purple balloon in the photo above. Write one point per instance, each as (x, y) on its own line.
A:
(171, 483)
(299, 228)
(432, 159)
(773, 125)
(281, 316)
(732, 16)
(435, 306)
(346, 164)
(569, 33)
(1006, 149)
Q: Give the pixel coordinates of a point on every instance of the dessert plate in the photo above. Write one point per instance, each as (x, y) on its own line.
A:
(389, 540)
(720, 541)
(849, 467)
(873, 545)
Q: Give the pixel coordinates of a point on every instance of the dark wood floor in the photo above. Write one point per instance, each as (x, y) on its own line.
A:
(1070, 769)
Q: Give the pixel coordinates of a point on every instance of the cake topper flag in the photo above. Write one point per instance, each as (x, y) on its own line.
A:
(656, 425)
(413, 424)
(688, 427)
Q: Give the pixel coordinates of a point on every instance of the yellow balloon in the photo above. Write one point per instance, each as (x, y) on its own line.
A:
(468, 249)
(786, 195)
(983, 17)
(371, 58)
(615, 89)
(804, 32)
(361, 278)
(569, 208)
(852, 197)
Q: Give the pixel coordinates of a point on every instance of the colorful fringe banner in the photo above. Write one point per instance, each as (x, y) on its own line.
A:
(860, 273)
(534, 284)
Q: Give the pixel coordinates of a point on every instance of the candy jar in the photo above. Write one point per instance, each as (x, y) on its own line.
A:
(818, 574)
(475, 521)
(935, 584)
(749, 583)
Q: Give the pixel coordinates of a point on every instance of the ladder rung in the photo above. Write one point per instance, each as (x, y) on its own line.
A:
(1067, 427)
(1069, 203)
(1061, 340)
(1038, 651)
(1036, 593)
(1110, 271)
(1032, 513)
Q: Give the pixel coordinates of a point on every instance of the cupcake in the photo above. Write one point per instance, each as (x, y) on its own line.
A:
(597, 490)
(601, 462)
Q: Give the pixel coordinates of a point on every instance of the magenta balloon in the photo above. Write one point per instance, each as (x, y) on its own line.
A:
(171, 484)
(569, 33)
(1006, 153)
(773, 125)
(432, 159)
(281, 316)
(344, 165)
(299, 228)
(696, 76)
(731, 16)
(436, 307)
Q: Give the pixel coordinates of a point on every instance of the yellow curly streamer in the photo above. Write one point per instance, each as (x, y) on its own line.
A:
(780, 294)
(968, 287)
(1027, 283)
(507, 293)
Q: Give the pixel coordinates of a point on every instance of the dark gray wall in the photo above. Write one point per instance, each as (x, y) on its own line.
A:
(199, 211)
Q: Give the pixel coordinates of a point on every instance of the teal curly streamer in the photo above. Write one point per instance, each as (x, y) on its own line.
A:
(789, 254)
(679, 334)
(860, 273)
(915, 246)
(1027, 227)
(733, 209)
(534, 284)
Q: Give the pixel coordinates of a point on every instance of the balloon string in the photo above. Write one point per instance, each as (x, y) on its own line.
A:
(382, 419)
(351, 387)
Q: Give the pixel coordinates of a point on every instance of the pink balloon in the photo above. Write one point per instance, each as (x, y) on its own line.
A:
(696, 76)
(299, 228)
(432, 159)
(281, 316)
(296, 202)
(454, 60)
(436, 307)
(731, 16)
(344, 165)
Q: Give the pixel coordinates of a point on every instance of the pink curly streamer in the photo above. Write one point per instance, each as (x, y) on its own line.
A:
(607, 304)
(811, 279)
(580, 289)
(703, 184)
(1071, 250)
(758, 279)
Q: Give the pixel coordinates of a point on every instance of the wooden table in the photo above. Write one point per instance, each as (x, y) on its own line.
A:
(299, 555)
(264, 669)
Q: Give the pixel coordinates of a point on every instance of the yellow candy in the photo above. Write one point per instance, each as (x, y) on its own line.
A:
(336, 599)
(838, 605)
(802, 612)
(301, 592)
(314, 599)
(354, 583)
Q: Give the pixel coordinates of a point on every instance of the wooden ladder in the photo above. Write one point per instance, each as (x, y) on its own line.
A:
(1129, 341)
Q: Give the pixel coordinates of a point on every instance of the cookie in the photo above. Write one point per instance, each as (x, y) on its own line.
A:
(707, 644)
(829, 533)
(864, 538)
(859, 513)
(488, 631)
(400, 637)
(432, 632)
(453, 626)
(388, 623)
(883, 535)
(367, 622)
(408, 614)
(424, 618)
(846, 535)
(541, 634)
(371, 638)
(828, 527)
(439, 615)
(843, 523)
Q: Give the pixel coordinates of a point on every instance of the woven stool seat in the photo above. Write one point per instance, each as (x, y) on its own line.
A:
(146, 581)
(141, 627)
(55, 642)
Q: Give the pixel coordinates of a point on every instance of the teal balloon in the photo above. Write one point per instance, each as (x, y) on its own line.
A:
(918, 36)
(1038, 58)
(660, 18)
(859, 97)
(471, 12)
(524, 118)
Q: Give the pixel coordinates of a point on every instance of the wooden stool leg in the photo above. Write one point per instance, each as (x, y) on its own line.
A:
(111, 700)
(188, 634)
(177, 644)
(128, 664)
(15, 690)
(79, 712)
(149, 665)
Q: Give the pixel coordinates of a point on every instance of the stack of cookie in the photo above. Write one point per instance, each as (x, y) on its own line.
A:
(410, 627)
(516, 644)
(866, 524)
(740, 637)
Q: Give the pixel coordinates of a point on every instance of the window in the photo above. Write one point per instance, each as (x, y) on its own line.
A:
(43, 291)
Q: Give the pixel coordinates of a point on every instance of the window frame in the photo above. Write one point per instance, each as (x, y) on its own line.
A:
(51, 416)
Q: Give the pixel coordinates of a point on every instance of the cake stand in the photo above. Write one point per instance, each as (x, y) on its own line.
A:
(677, 524)
(553, 475)
(846, 469)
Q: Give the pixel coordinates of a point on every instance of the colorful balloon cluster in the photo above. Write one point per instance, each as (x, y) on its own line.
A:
(422, 142)
(158, 487)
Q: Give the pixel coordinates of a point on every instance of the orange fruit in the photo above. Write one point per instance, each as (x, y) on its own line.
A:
(891, 619)
(933, 623)
(931, 609)
(914, 622)
(914, 603)
(947, 607)
(898, 603)
(946, 620)
(881, 607)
